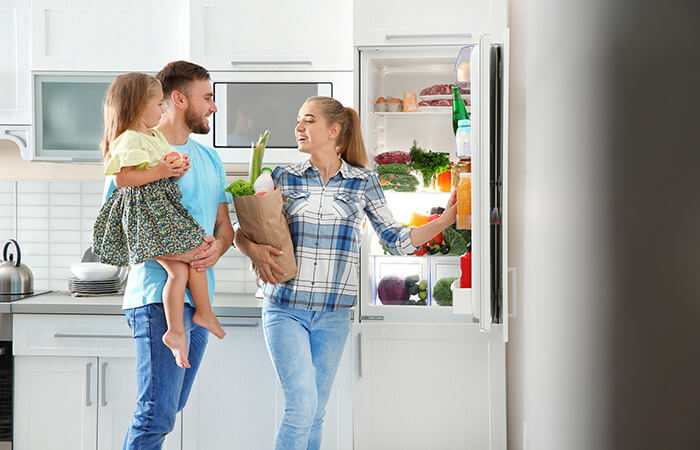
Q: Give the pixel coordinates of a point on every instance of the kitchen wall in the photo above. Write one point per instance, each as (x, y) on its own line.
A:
(53, 207)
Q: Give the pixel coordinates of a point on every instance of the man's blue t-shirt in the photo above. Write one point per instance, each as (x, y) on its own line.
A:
(202, 190)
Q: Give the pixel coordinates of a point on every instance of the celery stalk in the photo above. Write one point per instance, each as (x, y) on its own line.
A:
(256, 157)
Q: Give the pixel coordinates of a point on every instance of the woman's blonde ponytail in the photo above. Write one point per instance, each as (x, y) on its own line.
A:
(351, 147)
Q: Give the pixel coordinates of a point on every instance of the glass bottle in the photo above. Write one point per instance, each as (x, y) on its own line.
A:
(459, 111)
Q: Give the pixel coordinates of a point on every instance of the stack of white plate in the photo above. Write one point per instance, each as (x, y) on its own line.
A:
(109, 286)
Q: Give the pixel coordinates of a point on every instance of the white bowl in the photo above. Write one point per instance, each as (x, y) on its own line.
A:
(93, 271)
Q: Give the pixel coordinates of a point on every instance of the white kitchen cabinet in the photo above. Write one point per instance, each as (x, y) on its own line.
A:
(272, 35)
(416, 22)
(108, 36)
(15, 26)
(232, 403)
(421, 386)
(55, 403)
(75, 381)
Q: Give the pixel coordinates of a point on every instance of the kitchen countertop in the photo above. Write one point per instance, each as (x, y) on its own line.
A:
(61, 302)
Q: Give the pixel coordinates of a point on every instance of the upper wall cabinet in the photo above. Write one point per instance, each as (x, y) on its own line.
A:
(272, 34)
(108, 36)
(417, 22)
(14, 69)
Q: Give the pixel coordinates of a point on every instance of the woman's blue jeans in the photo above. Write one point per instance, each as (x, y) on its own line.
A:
(162, 387)
(305, 347)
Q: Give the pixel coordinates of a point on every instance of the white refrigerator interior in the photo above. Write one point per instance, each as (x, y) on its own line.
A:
(427, 375)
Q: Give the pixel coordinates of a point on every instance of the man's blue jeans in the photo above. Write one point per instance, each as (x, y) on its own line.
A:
(162, 387)
(305, 347)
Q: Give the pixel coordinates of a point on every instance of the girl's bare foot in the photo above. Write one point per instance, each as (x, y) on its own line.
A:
(210, 322)
(177, 343)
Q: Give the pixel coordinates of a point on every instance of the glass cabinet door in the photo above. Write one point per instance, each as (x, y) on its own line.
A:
(68, 117)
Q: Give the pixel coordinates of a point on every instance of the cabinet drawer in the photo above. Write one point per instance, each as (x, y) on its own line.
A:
(71, 335)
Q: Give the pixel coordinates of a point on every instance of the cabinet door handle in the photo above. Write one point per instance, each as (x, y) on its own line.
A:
(103, 387)
(88, 376)
(389, 37)
(240, 325)
(93, 336)
(270, 63)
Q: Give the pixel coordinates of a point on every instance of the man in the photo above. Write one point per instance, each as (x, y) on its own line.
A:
(162, 386)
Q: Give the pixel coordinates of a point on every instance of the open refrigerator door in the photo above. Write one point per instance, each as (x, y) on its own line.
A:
(426, 74)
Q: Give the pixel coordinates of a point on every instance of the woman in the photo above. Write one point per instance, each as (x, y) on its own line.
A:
(306, 320)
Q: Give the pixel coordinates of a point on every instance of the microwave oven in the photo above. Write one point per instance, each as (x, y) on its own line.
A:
(248, 103)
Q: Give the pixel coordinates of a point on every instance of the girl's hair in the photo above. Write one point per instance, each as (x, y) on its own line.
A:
(124, 103)
(350, 145)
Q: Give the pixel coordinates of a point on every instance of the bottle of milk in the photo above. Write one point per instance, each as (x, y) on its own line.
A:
(463, 138)
(264, 182)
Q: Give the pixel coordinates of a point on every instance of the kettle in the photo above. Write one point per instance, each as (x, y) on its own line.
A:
(15, 277)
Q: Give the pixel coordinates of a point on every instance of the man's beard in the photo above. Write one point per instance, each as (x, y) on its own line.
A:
(196, 123)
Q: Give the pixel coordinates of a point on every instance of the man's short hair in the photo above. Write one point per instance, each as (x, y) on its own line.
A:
(177, 75)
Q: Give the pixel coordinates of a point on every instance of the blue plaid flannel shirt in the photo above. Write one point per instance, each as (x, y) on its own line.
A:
(326, 226)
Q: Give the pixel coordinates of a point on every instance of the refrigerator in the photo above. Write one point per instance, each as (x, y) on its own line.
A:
(432, 376)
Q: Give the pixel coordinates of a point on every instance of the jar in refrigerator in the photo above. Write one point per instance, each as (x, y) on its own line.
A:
(464, 202)
(463, 138)
(463, 166)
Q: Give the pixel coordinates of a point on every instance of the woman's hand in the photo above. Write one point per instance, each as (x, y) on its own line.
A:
(263, 262)
(422, 234)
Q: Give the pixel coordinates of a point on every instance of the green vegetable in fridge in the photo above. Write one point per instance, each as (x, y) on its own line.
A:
(413, 289)
(428, 163)
(421, 302)
(412, 279)
(445, 249)
(393, 168)
(423, 285)
(422, 295)
(442, 293)
(240, 188)
(433, 249)
(456, 241)
(256, 157)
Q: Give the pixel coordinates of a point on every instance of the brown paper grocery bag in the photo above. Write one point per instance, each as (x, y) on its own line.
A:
(262, 220)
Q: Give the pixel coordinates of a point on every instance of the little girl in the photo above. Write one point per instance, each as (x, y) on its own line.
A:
(143, 219)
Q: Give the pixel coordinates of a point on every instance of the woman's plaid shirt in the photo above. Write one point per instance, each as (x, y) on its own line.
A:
(325, 221)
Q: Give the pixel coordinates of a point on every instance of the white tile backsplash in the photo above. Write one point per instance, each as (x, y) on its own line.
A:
(32, 236)
(64, 236)
(31, 199)
(33, 186)
(65, 224)
(91, 200)
(7, 186)
(6, 199)
(55, 220)
(32, 223)
(66, 250)
(64, 187)
(65, 199)
(64, 212)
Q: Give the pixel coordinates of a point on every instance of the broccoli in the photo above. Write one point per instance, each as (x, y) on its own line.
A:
(442, 293)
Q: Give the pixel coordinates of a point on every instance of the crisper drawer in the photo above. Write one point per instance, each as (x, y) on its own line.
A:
(71, 335)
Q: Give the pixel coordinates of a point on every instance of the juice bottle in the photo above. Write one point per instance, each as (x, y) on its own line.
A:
(464, 202)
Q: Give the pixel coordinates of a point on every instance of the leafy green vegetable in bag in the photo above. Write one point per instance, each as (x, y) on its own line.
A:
(457, 243)
(240, 188)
